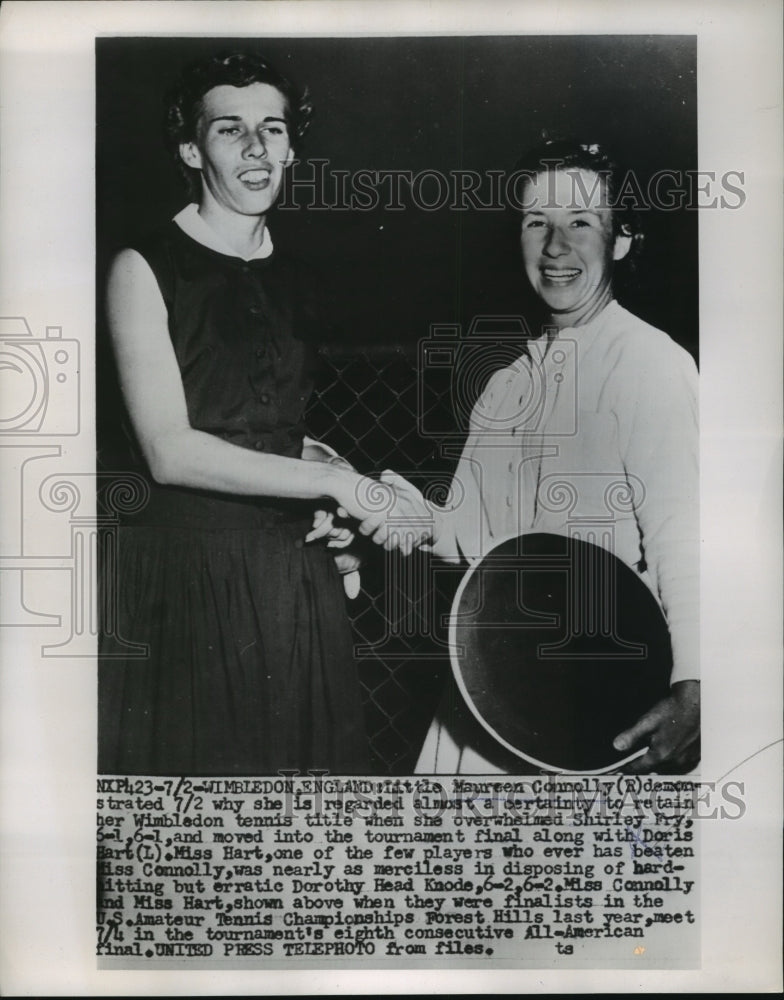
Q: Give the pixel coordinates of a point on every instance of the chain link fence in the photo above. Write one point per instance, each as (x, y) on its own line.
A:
(380, 411)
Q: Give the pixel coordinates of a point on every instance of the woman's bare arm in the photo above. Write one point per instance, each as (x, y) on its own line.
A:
(152, 387)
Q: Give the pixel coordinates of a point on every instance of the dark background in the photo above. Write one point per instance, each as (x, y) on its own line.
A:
(426, 103)
(441, 103)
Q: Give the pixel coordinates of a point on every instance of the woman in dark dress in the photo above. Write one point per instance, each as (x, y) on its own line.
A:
(249, 666)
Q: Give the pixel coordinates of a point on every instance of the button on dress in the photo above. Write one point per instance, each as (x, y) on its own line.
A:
(249, 666)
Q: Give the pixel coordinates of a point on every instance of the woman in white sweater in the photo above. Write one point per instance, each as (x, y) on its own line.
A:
(596, 422)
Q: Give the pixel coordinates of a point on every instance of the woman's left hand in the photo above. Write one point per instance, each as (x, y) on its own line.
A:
(333, 527)
(324, 522)
(671, 730)
(340, 537)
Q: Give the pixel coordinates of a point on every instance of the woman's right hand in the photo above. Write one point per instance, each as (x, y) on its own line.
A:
(391, 511)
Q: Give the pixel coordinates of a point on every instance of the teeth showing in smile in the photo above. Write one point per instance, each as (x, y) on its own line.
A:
(560, 274)
(254, 176)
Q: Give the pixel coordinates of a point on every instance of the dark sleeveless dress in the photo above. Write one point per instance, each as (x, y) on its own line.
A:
(249, 666)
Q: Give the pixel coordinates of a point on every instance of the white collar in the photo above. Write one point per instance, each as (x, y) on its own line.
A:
(192, 224)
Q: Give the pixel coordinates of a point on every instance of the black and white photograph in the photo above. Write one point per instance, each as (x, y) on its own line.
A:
(431, 197)
(390, 555)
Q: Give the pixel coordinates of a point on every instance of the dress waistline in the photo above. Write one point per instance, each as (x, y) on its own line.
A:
(177, 507)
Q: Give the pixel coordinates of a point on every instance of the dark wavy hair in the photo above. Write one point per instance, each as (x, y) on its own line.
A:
(237, 69)
(572, 154)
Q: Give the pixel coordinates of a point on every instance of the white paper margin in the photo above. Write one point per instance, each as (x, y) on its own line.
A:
(47, 718)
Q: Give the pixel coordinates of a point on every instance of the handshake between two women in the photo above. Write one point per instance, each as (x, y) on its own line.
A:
(390, 511)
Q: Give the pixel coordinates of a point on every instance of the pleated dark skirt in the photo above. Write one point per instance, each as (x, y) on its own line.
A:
(249, 666)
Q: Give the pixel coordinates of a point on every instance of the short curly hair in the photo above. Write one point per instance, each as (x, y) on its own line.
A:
(236, 69)
(576, 154)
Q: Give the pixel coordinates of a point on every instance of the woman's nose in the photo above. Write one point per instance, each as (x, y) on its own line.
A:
(556, 245)
(256, 146)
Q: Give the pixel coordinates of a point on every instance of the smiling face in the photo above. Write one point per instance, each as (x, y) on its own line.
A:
(241, 148)
(568, 244)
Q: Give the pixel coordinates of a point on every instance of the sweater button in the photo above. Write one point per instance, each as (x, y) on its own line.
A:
(260, 445)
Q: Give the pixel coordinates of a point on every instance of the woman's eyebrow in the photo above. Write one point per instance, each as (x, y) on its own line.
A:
(582, 211)
(238, 118)
(572, 211)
